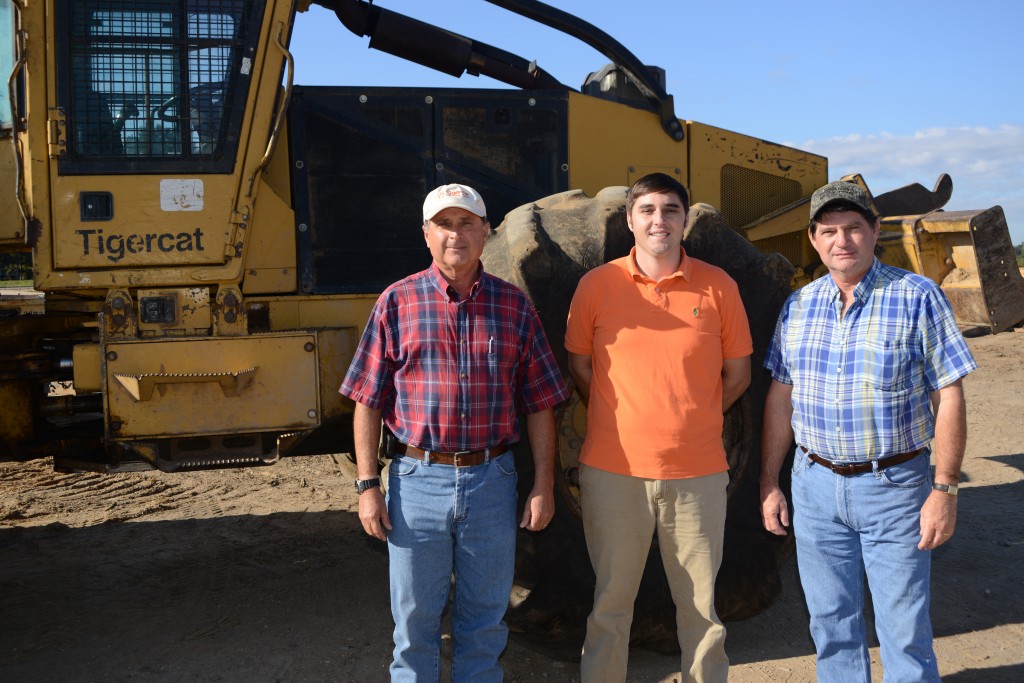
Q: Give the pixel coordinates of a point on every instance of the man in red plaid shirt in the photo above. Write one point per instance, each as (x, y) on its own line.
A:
(448, 357)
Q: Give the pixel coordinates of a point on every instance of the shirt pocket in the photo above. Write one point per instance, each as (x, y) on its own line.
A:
(887, 365)
(502, 356)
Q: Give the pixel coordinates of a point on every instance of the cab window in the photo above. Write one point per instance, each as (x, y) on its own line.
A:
(155, 85)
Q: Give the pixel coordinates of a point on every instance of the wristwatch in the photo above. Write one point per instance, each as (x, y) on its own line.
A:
(366, 485)
(951, 489)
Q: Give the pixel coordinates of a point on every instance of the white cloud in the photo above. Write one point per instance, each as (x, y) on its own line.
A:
(986, 164)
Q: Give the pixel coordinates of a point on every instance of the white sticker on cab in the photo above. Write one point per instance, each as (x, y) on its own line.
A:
(181, 195)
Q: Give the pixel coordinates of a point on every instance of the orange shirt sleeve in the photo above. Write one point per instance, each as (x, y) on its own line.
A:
(736, 341)
(579, 330)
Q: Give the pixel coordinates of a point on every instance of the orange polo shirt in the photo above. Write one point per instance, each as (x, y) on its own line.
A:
(655, 408)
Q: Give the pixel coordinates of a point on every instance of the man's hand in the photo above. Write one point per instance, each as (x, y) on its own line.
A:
(776, 441)
(540, 508)
(774, 511)
(373, 513)
(938, 514)
(540, 504)
(938, 520)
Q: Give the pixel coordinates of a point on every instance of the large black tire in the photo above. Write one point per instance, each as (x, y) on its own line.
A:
(544, 248)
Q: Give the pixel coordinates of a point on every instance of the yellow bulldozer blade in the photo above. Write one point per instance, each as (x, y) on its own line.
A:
(968, 253)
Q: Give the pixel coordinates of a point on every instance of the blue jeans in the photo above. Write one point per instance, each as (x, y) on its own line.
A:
(451, 520)
(847, 526)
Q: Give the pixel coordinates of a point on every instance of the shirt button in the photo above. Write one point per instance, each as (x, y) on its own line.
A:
(837, 429)
(463, 416)
(839, 371)
(658, 290)
(463, 376)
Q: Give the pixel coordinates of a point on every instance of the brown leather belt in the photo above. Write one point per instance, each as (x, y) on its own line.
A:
(458, 459)
(860, 467)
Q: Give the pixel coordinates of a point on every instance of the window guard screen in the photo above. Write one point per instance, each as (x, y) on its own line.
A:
(154, 85)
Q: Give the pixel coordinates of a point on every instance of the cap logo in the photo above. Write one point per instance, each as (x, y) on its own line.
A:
(453, 195)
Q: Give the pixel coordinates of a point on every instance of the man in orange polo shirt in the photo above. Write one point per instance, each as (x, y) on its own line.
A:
(659, 348)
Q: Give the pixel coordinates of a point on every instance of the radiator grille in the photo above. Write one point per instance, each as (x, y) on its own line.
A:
(748, 194)
(790, 246)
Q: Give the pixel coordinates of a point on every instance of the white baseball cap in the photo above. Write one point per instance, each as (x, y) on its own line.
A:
(446, 196)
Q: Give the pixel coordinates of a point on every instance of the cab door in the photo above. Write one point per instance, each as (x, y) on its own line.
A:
(149, 131)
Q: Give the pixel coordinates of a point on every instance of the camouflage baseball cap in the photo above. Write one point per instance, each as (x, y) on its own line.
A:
(838, 190)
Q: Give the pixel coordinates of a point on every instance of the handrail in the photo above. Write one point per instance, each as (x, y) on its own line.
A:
(282, 110)
(17, 122)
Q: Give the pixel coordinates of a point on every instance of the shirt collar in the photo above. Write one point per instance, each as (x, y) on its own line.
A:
(685, 267)
(446, 290)
(861, 290)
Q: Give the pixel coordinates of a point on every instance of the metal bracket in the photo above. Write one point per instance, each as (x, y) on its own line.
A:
(141, 386)
(229, 316)
(56, 133)
(119, 318)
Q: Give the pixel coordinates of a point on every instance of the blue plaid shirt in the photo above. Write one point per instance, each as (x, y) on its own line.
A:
(862, 382)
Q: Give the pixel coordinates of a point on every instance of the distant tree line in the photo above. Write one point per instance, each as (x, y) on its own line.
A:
(15, 265)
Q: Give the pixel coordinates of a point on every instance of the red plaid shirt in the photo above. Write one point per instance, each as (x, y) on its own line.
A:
(448, 375)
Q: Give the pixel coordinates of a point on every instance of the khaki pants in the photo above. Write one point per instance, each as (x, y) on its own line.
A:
(620, 516)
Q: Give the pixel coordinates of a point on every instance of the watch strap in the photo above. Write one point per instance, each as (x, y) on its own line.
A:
(366, 484)
(951, 489)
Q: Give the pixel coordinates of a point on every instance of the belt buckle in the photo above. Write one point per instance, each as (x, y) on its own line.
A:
(845, 468)
(459, 454)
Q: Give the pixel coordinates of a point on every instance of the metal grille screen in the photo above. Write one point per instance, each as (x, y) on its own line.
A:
(790, 246)
(511, 142)
(155, 80)
(747, 194)
(364, 158)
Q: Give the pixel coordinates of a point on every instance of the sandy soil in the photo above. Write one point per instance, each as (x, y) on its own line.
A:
(265, 575)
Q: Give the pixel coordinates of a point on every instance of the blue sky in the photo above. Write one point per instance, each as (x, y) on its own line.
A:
(899, 91)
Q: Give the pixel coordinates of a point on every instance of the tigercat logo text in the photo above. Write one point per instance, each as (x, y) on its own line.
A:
(115, 246)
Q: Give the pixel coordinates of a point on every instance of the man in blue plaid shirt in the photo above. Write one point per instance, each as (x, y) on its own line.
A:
(867, 365)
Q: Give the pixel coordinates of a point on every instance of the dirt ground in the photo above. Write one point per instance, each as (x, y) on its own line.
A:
(265, 575)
